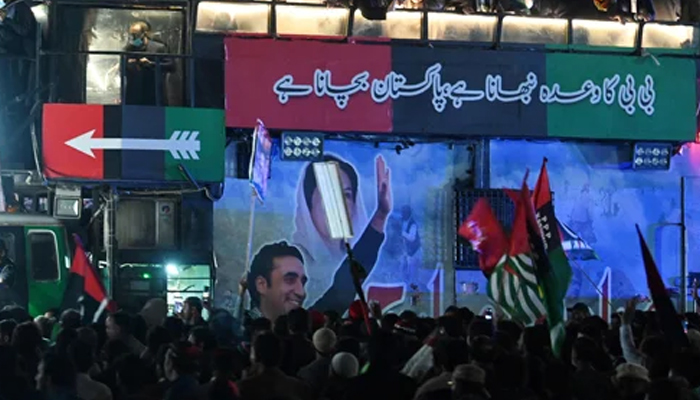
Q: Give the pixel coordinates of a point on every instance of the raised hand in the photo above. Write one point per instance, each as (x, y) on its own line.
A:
(384, 200)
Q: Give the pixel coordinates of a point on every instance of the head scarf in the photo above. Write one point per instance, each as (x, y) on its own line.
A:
(322, 259)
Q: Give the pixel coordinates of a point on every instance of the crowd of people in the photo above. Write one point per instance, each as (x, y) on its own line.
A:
(308, 355)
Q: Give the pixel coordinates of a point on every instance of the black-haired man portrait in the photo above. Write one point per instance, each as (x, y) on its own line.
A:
(276, 281)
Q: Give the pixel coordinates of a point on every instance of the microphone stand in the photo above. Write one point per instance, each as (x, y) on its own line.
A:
(358, 272)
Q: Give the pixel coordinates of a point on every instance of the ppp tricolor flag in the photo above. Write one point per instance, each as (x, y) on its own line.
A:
(553, 270)
(85, 291)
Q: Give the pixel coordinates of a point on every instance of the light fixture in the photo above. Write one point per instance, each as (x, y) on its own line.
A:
(652, 156)
(298, 146)
(172, 269)
(68, 203)
(331, 190)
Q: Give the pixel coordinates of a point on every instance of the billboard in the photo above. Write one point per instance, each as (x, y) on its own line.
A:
(399, 88)
(396, 204)
(132, 143)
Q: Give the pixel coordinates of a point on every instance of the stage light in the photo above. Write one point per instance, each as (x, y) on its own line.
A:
(652, 156)
(298, 146)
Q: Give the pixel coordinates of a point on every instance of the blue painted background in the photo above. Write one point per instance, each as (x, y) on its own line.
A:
(593, 196)
(602, 202)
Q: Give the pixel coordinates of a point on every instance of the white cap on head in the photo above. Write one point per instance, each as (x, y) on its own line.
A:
(345, 365)
(324, 341)
(631, 371)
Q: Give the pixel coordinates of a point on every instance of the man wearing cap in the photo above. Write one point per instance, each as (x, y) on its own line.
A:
(316, 373)
(631, 380)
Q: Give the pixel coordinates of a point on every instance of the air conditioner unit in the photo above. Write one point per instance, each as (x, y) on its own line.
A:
(146, 223)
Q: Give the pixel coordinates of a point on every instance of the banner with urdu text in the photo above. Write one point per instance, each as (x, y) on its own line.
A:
(399, 88)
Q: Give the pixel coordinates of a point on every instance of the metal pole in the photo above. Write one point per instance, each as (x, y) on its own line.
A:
(683, 254)
(110, 240)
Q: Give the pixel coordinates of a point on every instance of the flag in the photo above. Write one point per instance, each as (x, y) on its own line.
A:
(513, 284)
(552, 267)
(85, 291)
(668, 317)
(486, 235)
(575, 247)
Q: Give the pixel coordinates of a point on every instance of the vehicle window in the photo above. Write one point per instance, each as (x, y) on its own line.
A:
(44, 260)
(110, 32)
(8, 240)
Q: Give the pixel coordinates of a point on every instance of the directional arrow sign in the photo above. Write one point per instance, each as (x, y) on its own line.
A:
(181, 145)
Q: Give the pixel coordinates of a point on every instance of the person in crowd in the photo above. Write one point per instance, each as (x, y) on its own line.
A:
(154, 312)
(382, 379)
(469, 382)
(71, 319)
(589, 383)
(27, 342)
(56, 378)
(316, 373)
(344, 367)
(205, 341)
(141, 71)
(7, 266)
(270, 382)
(83, 357)
(298, 349)
(192, 310)
(133, 375)
(276, 281)
(448, 353)
(631, 381)
(13, 385)
(157, 337)
(181, 366)
(223, 384)
(119, 327)
(7, 328)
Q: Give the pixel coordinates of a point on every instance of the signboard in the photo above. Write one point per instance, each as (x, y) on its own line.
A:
(132, 143)
(398, 88)
(260, 162)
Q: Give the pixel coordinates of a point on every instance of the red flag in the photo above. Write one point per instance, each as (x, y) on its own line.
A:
(668, 317)
(486, 235)
(85, 290)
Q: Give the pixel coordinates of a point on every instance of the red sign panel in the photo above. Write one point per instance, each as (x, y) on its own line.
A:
(63, 123)
(255, 91)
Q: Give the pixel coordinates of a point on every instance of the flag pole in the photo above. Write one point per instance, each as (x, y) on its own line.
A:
(249, 245)
(683, 304)
(357, 270)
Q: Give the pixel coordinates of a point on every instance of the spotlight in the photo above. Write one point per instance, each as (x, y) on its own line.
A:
(652, 156)
(297, 146)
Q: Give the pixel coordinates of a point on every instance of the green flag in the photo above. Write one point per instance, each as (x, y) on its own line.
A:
(554, 272)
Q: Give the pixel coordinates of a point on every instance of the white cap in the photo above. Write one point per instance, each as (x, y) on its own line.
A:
(345, 365)
(324, 341)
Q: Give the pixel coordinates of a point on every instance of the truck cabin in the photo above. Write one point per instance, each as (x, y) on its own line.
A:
(34, 262)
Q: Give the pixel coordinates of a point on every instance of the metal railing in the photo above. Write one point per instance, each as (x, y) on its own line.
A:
(183, 67)
(277, 19)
